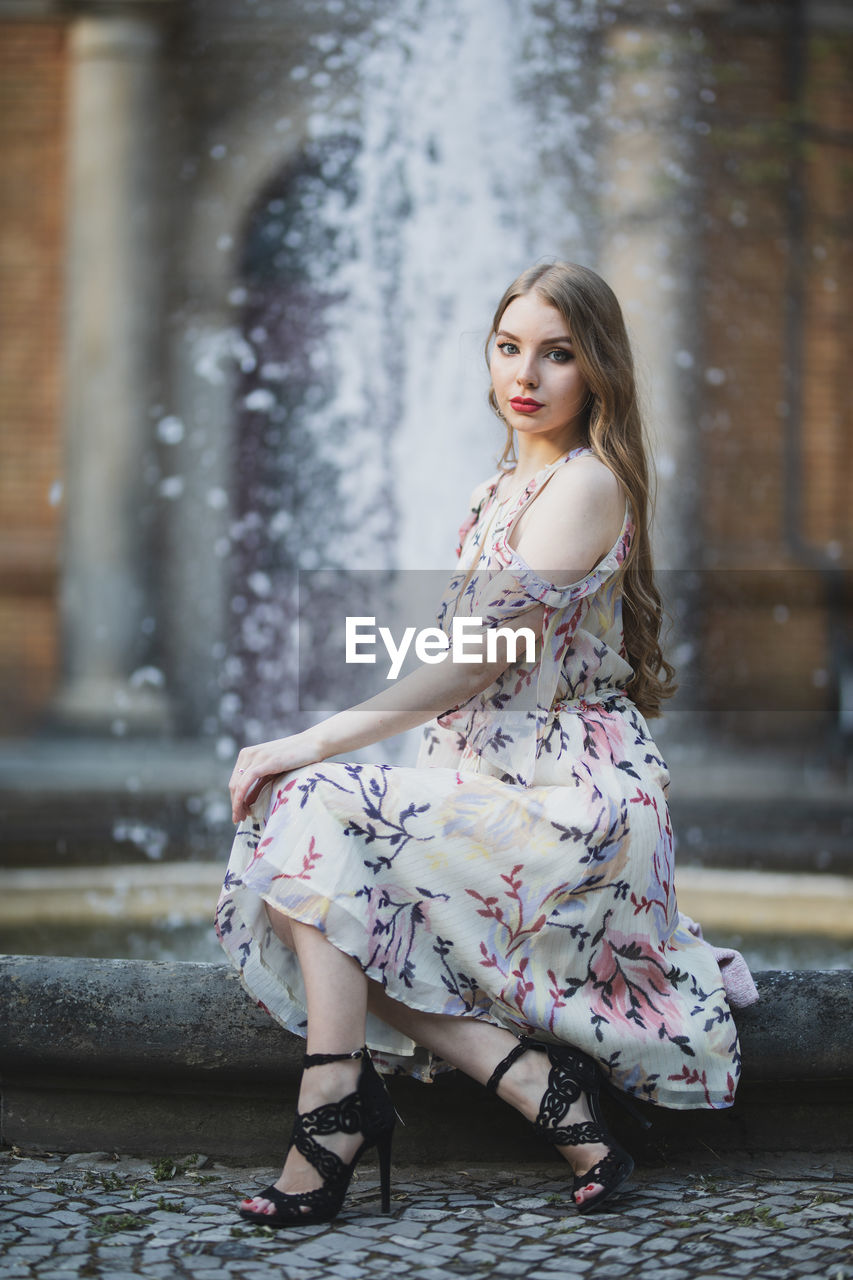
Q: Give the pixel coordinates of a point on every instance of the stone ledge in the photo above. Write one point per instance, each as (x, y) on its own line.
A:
(145, 1056)
(184, 1020)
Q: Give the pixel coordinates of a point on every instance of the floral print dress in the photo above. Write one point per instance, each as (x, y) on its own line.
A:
(521, 872)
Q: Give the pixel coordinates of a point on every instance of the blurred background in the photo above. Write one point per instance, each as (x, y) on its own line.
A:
(248, 256)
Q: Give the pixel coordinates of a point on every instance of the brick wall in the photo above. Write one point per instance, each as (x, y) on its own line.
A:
(32, 147)
(762, 637)
(766, 636)
(828, 404)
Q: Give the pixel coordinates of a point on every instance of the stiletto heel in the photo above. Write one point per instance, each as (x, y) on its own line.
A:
(383, 1150)
(573, 1074)
(367, 1111)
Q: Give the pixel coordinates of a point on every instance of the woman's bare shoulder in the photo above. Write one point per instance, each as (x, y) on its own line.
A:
(587, 476)
(576, 518)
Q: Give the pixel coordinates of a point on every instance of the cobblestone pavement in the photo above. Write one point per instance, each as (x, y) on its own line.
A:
(84, 1216)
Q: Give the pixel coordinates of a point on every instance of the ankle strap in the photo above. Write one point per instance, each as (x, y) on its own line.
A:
(320, 1059)
(524, 1043)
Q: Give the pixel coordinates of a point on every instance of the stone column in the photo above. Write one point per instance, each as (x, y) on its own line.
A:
(648, 252)
(113, 315)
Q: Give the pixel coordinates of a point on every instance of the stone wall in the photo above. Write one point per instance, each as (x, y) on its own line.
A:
(133, 1056)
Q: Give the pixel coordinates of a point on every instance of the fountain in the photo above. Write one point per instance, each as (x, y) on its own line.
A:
(461, 150)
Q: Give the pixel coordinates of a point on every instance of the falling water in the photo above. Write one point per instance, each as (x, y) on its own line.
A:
(460, 150)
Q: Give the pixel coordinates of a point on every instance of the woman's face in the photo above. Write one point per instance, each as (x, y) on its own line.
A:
(534, 372)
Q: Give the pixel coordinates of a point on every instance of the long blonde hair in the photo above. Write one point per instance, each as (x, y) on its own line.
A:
(613, 429)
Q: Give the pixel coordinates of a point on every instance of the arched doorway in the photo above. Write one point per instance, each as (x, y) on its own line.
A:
(294, 422)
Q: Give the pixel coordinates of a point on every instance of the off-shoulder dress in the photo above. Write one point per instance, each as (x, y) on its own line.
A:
(521, 872)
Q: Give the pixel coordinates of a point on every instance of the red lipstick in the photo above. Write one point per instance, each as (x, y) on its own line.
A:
(522, 405)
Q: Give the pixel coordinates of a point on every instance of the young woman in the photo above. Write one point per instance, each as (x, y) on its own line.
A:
(505, 907)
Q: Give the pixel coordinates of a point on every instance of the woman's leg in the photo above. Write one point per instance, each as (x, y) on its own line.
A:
(476, 1047)
(336, 999)
(337, 995)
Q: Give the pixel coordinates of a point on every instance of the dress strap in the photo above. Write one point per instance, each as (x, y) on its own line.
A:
(536, 482)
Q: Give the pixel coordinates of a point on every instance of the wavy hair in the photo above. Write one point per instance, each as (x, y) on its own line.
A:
(613, 429)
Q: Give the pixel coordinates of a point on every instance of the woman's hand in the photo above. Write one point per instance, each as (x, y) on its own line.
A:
(427, 692)
(255, 765)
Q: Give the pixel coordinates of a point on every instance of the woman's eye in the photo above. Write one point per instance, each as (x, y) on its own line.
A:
(508, 348)
(560, 356)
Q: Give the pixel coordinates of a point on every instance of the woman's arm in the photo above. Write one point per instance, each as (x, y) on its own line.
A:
(413, 700)
(564, 530)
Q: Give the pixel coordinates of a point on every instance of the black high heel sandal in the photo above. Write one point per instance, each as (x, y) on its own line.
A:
(573, 1073)
(368, 1111)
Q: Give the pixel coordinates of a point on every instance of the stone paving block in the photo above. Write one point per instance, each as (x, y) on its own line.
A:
(748, 1270)
(406, 1231)
(45, 1234)
(600, 1272)
(259, 1271)
(356, 1257)
(562, 1262)
(620, 1239)
(836, 1228)
(499, 1214)
(437, 1234)
(24, 1167)
(45, 1197)
(311, 1250)
(510, 1267)
(67, 1219)
(664, 1273)
(347, 1271)
(660, 1244)
(831, 1245)
(802, 1253)
(435, 1253)
(498, 1244)
(27, 1252)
